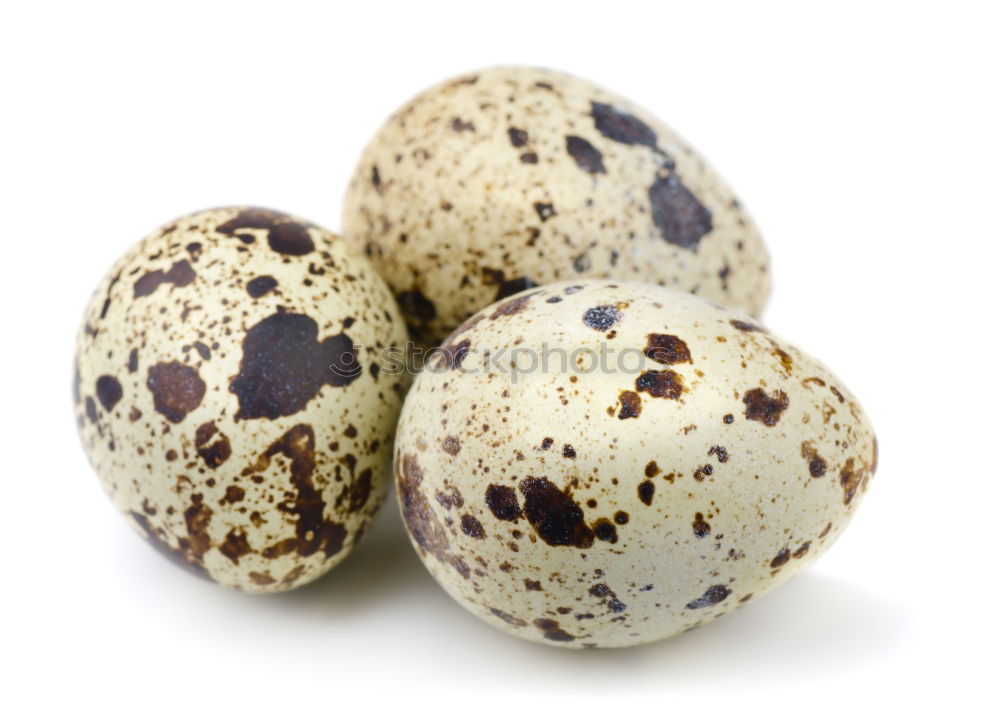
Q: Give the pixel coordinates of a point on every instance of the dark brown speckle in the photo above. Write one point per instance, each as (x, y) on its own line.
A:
(601, 318)
(284, 366)
(556, 518)
(472, 527)
(260, 286)
(713, 595)
(646, 491)
(764, 408)
(109, 391)
(660, 384)
(679, 215)
(177, 389)
(585, 154)
(630, 405)
(551, 630)
(502, 502)
(666, 349)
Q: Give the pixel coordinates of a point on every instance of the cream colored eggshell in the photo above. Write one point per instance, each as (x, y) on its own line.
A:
(206, 405)
(507, 177)
(735, 458)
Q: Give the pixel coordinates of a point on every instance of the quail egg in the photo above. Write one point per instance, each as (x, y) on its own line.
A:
(512, 177)
(231, 395)
(604, 464)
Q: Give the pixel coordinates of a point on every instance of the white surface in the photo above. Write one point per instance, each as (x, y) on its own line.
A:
(864, 140)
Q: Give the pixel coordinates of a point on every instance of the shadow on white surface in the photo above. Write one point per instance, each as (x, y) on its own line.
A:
(383, 607)
(814, 624)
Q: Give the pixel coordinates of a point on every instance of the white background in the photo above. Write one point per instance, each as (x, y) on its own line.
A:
(864, 140)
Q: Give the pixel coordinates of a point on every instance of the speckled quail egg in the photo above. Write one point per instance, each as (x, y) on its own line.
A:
(231, 395)
(605, 464)
(507, 178)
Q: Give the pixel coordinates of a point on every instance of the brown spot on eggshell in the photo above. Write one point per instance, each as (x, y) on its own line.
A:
(585, 154)
(177, 389)
(423, 525)
(213, 453)
(511, 306)
(720, 453)
(602, 317)
(660, 384)
(235, 545)
(109, 391)
(544, 210)
(451, 355)
(781, 558)
(551, 630)
(472, 527)
(667, 349)
(713, 596)
(608, 597)
(765, 408)
(605, 530)
(518, 137)
(620, 126)
(556, 518)
(284, 365)
(449, 498)
(314, 532)
(358, 491)
(851, 479)
(502, 502)
(678, 214)
(180, 274)
(783, 358)
(630, 405)
(260, 286)
(262, 579)
(508, 618)
(817, 464)
(284, 235)
(702, 471)
(233, 495)
(747, 327)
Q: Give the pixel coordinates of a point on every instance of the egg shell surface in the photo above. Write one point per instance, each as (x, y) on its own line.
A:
(587, 504)
(511, 177)
(229, 392)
